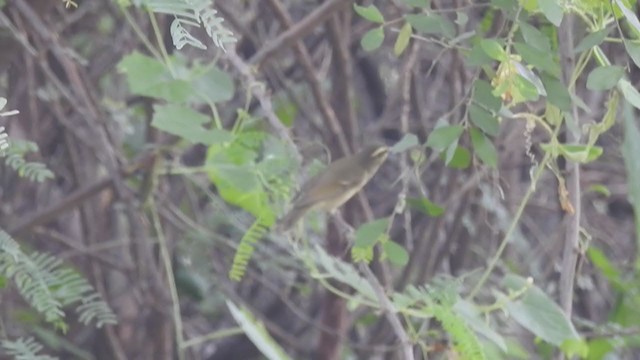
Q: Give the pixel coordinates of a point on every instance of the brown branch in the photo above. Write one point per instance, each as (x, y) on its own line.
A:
(77, 197)
(296, 32)
(87, 106)
(304, 57)
(258, 90)
(572, 235)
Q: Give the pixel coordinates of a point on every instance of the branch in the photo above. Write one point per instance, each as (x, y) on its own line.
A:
(572, 234)
(298, 31)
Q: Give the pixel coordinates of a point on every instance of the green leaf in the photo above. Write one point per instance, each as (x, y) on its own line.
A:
(524, 89)
(575, 347)
(187, 123)
(581, 153)
(461, 18)
(372, 39)
(535, 37)
(604, 77)
(369, 233)
(460, 159)
(630, 151)
(431, 24)
(477, 56)
(629, 15)
(529, 5)
(600, 189)
(403, 39)
(362, 254)
(232, 169)
(574, 152)
(494, 49)
(257, 333)
(370, 13)
(484, 120)
(148, 77)
(538, 313)
(591, 40)
(425, 206)
(600, 261)
(629, 92)
(557, 93)
(525, 79)
(540, 59)
(599, 348)
(397, 254)
(407, 142)
(483, 95)
(484, 148)
(286, 111)
(552, 11)
(508, 6)
(417, 3)
(633, 50)
(213, 84)
(442, 137)
(475, 319)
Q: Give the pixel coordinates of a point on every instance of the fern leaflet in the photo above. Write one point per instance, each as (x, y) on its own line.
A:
(48, 286)
(193, 13)
(33, 171)
(245, 249)
(24, 349)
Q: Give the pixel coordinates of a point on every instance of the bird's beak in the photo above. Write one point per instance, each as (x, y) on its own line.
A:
(379, 152)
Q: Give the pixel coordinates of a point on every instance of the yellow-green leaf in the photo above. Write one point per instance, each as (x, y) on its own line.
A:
(403, 39)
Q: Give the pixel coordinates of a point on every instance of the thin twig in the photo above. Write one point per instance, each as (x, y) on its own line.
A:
(385, 304)
(572, 234)
(296, 32)
(258, 90)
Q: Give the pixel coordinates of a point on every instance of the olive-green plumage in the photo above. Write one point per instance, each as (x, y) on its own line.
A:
(336, 184)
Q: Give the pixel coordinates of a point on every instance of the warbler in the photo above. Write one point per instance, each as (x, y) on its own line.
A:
(336, 184)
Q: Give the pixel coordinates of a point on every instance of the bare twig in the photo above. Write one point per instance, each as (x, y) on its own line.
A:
(304, 57)
(296, 32)
(258, 90)
(385, 304)
(572, 234)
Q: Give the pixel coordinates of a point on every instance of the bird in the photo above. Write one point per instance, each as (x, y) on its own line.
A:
(336, 184)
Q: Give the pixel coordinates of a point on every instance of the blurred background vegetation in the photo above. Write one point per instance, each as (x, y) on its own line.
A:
(148, 147)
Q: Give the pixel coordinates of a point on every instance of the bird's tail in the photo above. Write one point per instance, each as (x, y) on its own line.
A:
(291, 218)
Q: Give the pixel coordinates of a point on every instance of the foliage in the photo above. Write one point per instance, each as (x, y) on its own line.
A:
(48, 286)
(24, 349)
(193, 13)
(248, 167)
(245, 247)
(14, 158)
(257, 333)
(513, 52)
(15, 153)
(521, 71)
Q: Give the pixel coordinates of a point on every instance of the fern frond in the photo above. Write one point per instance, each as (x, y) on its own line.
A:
(339, 270)
(182, 37)
(465, 340)
(24, 349)
(245, 249)
(30, 278)
(4, 140)
(193, 13)
(48, 286)
(14, 158)
(94, 308)
(439, 301)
